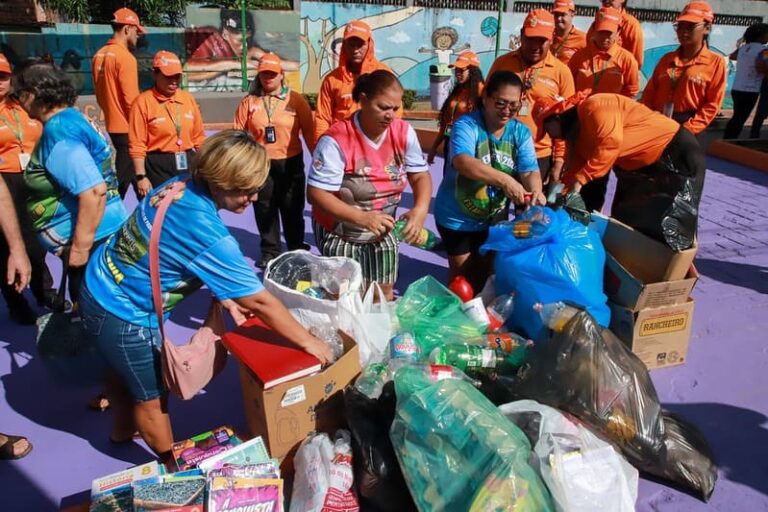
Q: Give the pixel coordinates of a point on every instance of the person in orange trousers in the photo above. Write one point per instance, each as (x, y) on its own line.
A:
(630, 32)
(688, 84)
(658, 163)
(358, 57)
(543, 76)
(567, 39)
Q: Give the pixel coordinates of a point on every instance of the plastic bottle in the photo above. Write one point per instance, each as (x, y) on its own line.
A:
(372, 380)
(330, 336)
(403, 350)
(412, 378)
(514, 347)
(499, 310)
(466, 357)
(555, 314)
(461, 287)
(426, 240)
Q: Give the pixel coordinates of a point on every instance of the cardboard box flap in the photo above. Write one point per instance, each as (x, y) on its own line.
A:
(647, 259)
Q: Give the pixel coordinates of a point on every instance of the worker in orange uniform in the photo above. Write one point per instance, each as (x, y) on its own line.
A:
(543, 76)
(166, 127)
(688, 84)
(116, 81)
(630, 35)
(567, 39)
(358, 57)
(658, 163)
(276, 116)
(603, 65)
(18, 136)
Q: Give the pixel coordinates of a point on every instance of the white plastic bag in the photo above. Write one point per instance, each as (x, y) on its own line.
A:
(323, 481)
(375, 325)
(583, 472)
(340, 277)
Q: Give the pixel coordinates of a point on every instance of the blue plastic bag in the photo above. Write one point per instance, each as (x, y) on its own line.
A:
(560, 260)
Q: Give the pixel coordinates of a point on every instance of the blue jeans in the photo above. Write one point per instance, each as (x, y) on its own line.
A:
(132, 351)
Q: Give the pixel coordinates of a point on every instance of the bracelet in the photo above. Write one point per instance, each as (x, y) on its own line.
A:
(140, 177)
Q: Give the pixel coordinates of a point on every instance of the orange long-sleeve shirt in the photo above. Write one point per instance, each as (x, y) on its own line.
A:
(612, 71)
(15, 122)
(564, 47)
(697, 85)
(549, 78)
(153, 122)
(630, 36)
(616, 130)
(116, 81)
(289, 113)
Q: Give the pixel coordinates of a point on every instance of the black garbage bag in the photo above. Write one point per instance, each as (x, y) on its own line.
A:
(379, 480)
(588, 372)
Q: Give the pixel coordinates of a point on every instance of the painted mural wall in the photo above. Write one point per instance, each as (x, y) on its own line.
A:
(410, 40)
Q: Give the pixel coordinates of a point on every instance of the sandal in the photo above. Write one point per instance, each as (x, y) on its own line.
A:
(100, 403)
(6, 450)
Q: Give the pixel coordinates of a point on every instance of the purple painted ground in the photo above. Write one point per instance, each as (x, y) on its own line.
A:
(721, 387)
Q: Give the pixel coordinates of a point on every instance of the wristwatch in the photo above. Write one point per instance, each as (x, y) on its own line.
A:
(140, 177)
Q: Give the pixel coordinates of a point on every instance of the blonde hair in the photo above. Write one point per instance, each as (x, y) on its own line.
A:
(231, 160)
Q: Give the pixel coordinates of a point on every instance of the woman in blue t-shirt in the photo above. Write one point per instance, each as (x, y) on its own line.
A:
(73, 200)
(195, 248)
(491, 160)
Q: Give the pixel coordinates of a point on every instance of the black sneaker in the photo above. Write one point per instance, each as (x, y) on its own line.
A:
(22, 314)
(264, 260)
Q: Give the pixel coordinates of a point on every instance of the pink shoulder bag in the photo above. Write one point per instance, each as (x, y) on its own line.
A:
(186, 368)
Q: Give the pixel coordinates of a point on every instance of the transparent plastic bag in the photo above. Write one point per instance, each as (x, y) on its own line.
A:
(583, 473)
(459, 453)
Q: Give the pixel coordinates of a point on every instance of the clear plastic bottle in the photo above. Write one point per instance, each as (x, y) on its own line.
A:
(403, 350)
(330, 336)
(372, 380)
(427, 238)
(499, 310)
(555, 314)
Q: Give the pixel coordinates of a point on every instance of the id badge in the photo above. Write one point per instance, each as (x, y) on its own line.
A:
(523, 109)
(24, 159)
(181, 161)
(270, 137)
(669, 109)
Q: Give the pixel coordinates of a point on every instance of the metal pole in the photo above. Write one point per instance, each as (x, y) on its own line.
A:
(244, 51)
(498, 29)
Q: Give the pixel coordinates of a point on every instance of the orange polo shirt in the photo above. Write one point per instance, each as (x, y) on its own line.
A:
(616, 131)
(153, 123)
(564, 47)
(457, 107)
(15, 122)
(549, 78)
(614, 71)
(630, 36)
(116, 83)
(697, 85)
(288, 112)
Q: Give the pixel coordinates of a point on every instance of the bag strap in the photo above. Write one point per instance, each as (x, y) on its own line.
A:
(154, 251)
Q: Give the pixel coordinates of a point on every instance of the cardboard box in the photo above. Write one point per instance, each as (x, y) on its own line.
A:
(647, 259)
(658, 336)
(642, 273)
(285, 414)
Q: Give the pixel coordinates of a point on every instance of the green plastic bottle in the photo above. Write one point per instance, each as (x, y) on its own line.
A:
(466, 357)
(427, 239)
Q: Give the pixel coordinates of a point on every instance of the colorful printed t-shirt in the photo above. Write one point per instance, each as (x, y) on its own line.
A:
(463, 204)
(195, 249)
(70, 158)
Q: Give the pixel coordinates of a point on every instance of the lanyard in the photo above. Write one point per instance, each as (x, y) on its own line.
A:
(268, 108)
(18, 132)
(596, 77)
(675, 80)
(176, 121)
(562, 43)
(528, 77)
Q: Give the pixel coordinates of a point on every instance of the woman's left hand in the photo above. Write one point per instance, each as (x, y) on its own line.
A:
(239, 314)
(538, 199)
(78, 257)
(412, 230)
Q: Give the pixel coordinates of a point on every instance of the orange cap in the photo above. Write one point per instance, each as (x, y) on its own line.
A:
(466, 59)
(5, 66)
(539, 23)
(696, 12)
(168, 63)
(125, 16)
(564, 6)
(358, 29)
(270, 62)
(607, 18)
(548, 106)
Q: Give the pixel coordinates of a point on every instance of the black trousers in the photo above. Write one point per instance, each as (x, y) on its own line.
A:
(123, 162)
(662, 199)
(762, 111)
(282, 199)
(41, 276)
(161, 167)
(743, 103)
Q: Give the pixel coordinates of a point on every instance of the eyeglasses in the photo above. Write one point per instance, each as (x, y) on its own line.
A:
(502, 105)
(687, 26)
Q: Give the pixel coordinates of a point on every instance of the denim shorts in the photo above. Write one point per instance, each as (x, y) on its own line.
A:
(132, 351)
